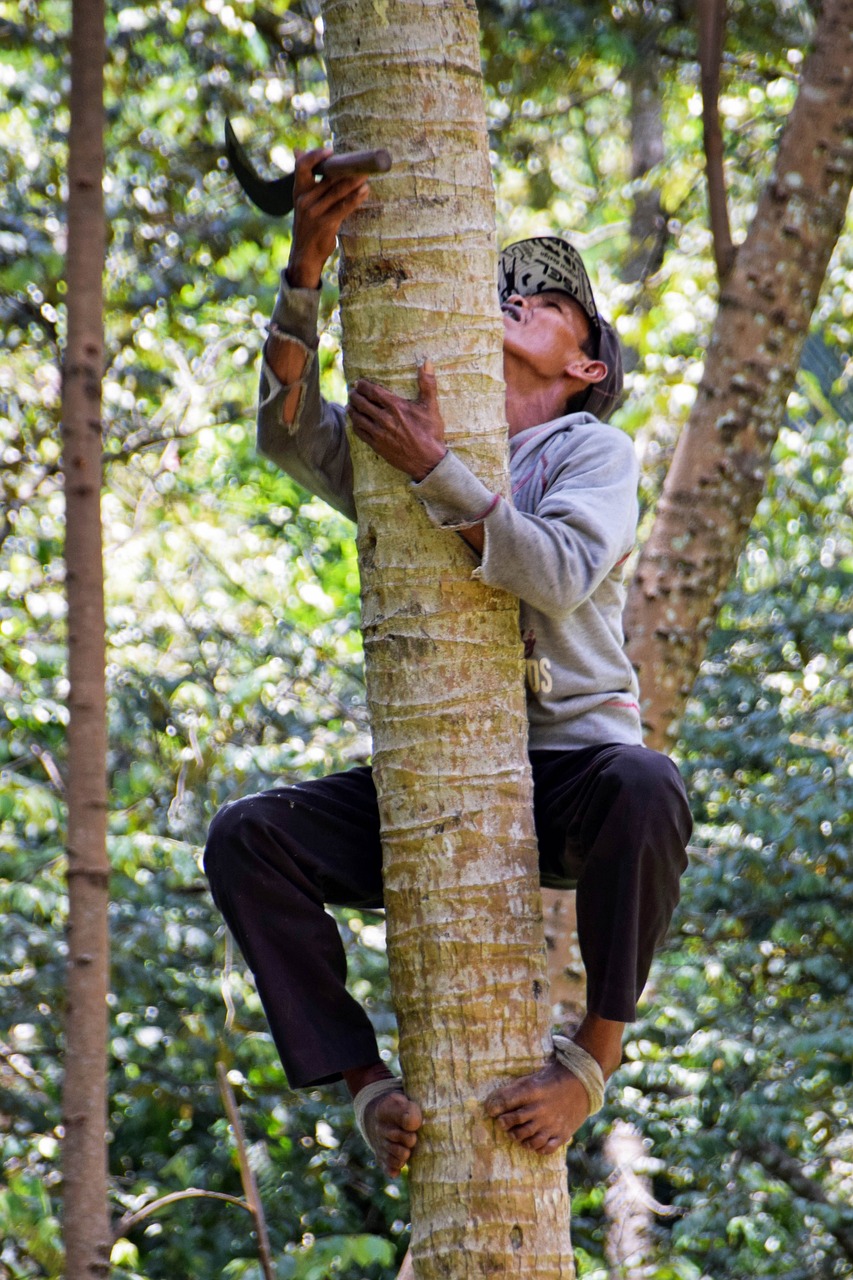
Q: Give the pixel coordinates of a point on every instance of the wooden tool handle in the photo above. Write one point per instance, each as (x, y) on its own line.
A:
(354, 162)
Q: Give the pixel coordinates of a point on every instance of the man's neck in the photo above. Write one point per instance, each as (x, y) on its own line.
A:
(530, 409)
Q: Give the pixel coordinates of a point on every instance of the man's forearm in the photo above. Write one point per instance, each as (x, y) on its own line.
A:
(475, 536)
(288, 359)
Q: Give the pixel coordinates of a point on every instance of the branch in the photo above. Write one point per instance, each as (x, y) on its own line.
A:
(711, 16)
(250, 1186)
(130, 1220)
(778, 1163)
(17, 1063)
(744, 64)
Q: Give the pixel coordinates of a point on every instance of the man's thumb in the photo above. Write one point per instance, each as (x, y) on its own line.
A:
(426, 381)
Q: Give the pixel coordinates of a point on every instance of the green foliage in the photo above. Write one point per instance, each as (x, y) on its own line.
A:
(235, 661)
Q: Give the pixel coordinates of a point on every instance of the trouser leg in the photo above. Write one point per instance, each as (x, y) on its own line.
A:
(616, 819)
(273, 861)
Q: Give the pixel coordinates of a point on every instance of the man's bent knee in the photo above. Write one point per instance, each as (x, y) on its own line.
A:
(656, 784)
(226, 834)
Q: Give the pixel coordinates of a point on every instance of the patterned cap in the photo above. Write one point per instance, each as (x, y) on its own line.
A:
(546, 262)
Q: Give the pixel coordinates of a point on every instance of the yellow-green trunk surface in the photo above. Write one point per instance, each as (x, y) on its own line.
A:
(444, 663)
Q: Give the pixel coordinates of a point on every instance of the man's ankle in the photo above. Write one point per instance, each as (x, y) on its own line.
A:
(357, 1077)
(602, 1039)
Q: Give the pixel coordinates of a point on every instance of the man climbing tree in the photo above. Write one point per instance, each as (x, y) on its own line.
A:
(609, 813)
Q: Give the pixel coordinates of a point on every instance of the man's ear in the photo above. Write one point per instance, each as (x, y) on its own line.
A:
(588, 371)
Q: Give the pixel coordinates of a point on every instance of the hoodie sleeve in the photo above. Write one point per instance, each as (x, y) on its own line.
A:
(313, 449)
(582, 527)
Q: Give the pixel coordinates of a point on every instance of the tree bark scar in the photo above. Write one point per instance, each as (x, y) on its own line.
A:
(368, 547)
(374, 274)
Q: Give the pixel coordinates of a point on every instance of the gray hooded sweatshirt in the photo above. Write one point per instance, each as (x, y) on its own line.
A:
(560, 545)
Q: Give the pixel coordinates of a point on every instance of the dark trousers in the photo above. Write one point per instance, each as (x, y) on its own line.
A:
(612, 820)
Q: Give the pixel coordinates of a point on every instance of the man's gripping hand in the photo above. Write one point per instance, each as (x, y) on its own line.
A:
(320, 206)
(409, 434)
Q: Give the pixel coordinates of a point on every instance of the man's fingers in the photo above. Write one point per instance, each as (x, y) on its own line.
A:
(323, 197)
(364, 404)
(371, 398)
(303, 168)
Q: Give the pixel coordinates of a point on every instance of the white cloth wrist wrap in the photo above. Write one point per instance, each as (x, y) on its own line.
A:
(584, 1067)
(365, 1096)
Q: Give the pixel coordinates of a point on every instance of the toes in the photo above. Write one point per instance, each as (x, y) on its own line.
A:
(512, 1119)
(394, 1158)
(495, 1104)
(503, 1100)
(545, 1145)
(397, 1109)
(413, 1118)
(538, 1142)
(403, 1138)
(526, 1092)
(526, 1132)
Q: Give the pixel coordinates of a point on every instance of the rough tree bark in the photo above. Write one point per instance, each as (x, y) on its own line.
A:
(84, 1100)
(721, 462)
(418, 279)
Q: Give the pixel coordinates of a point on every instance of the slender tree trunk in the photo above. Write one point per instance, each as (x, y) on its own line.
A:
(444, 672)
(723, 456)
(86, 1221)
(711, 21)
(648, 220)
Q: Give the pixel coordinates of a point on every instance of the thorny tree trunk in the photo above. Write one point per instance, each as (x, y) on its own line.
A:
(722, 458)
(444, 672)
(84, 1101)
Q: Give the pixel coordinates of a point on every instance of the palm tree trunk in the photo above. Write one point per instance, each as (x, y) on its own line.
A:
(444, 673)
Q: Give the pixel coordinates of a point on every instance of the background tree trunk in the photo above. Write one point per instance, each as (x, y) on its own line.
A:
(722, 458)
(444, 673)
(86, 1224)
(648, 219)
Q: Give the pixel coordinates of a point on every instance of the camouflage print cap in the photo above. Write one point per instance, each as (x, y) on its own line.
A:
(547, 262)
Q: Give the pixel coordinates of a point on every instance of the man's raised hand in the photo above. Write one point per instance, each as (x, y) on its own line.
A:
(320, 206)
(408, 434)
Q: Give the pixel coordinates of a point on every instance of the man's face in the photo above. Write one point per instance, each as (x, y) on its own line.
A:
(542, 334)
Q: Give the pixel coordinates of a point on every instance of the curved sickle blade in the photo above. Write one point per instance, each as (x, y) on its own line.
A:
(271, 195)
(275, 195)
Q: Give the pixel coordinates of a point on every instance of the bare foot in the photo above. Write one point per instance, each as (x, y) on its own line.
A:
(544, 1111)
(391, 1123)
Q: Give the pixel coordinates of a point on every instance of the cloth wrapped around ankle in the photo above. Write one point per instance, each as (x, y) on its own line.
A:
(584, 1067)
(364, 1097)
